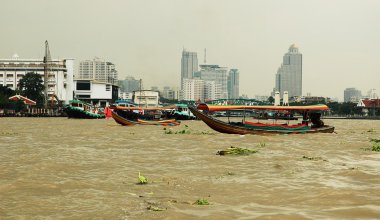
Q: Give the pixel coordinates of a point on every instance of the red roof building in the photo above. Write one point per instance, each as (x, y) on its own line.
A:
(369, 103)
(25, 99)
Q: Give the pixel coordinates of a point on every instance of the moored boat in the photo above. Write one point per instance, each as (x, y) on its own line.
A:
(126, 118)
(310, 116)
(82, 110)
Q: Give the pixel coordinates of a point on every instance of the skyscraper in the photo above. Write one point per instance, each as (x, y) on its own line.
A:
(233, 84)
(352, 95)
(129, 84)
(289, 75)
(189, 65)
(218, 75)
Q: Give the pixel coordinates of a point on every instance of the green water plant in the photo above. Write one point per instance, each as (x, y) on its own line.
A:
(202, 202)
(374, 140)
(156, 209)
(142, 179)
(236, 151)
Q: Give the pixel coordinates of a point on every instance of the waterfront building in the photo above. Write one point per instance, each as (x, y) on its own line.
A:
(99, 70)
(218, 75)
(126, 95)
(60, 74)
(352, 95)
(97, 93)
(169, 93)
(129, 84)
(189, 65)
(193, 90)
(233, 84)
(146, 98)
(289, 75)
(210, 90)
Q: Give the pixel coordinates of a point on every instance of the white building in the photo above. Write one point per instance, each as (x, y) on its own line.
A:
(289, 75)
(193, 90)
(96, 93)
(146, 98)
(218, 75)
(60, 74)
(98, 70)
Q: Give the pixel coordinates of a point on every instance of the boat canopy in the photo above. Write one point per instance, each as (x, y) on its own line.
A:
(319, 107)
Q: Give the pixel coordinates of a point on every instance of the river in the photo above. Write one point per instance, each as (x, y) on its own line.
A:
(58, 168)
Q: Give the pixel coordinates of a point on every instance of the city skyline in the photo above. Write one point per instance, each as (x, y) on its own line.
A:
(339, 39)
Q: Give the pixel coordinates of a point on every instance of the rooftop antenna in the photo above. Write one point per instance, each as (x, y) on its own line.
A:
(205, 57)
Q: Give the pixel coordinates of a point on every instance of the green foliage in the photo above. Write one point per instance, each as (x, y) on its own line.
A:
(374, 140)
(345, 108)
(142, 179)
(375, 147)
(371, 130)
(236, 151)
(5, 93)
(202, 202)
(31, 86)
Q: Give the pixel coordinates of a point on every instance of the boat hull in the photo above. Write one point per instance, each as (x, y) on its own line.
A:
(224, 127)
(127, 122)
(80, 114)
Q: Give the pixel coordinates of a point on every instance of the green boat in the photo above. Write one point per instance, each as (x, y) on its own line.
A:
(80, 109)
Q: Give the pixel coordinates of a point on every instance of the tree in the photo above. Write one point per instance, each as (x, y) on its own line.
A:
(271, 99)
(31, 86)
(5, 93)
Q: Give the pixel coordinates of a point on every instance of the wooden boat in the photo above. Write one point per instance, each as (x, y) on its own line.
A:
(259, 128)
(129, 122)
(82, 110)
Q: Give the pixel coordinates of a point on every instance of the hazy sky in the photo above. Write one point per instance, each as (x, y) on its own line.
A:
(339, 39)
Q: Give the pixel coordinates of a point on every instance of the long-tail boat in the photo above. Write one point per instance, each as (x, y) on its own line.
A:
(311, 122)
(127, 116)
(82, 110)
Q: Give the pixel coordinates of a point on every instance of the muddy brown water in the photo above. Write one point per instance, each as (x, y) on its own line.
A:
(58, 168)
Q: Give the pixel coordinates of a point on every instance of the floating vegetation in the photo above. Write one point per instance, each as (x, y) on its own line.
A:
(375, 147)
(202, 202)
(142, 179)
(8, 133)
(371, 130)
(312, 158)
(261, 144)
(374, 140)
(236, 151)
(187, 130)
(156, 209)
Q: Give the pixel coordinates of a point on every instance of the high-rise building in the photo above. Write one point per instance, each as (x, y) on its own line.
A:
(218, 75)
(189, 65)
(352, 95)
(129, 84)
(233, 84)
(289, 75)
(193, 89)
(60, 74)
(98, 70)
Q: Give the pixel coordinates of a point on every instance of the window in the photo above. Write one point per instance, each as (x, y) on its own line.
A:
(83, 86)
(108, 87)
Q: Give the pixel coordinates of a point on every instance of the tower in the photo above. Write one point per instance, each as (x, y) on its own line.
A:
(289, 75)
(189, 65)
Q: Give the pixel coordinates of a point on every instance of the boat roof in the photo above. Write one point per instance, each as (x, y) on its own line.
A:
(79, 101)
(261, 107)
